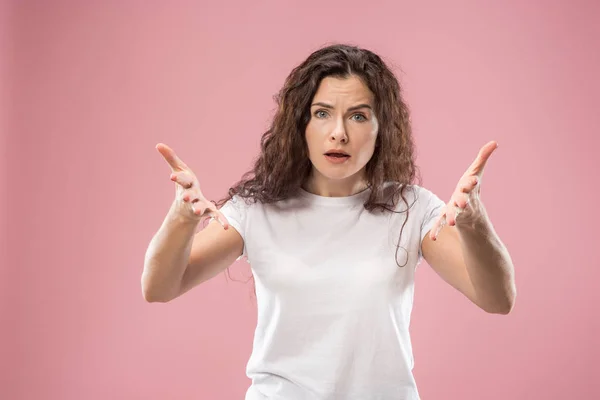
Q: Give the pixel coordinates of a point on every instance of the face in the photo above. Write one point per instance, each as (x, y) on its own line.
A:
(342, 118)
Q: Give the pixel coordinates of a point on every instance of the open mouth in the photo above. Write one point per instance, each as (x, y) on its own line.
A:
(337, 155)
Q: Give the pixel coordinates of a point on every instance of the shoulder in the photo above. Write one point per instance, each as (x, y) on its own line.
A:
(409, 196)
(238, 205)
(425, 195)
(242, 201)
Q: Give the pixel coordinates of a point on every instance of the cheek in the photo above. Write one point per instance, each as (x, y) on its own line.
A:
(311, 139)
(314, 132)
(369, 139)
(374, 127)
(374, 133)
(368, 150)
(367, 147)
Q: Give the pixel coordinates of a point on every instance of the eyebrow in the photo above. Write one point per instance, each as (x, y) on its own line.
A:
(353, 108)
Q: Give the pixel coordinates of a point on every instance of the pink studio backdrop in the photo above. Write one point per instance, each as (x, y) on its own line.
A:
(90, 87)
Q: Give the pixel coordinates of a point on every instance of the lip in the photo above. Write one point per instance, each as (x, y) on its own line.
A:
(337, 151)
(336, 160)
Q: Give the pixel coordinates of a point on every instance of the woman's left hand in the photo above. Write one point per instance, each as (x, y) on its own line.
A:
(464, 207)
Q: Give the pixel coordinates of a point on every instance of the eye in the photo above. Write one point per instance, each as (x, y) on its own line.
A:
(320, 114)
(359, 117)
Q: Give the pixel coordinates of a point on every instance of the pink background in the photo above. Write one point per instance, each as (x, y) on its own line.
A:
(88, 89)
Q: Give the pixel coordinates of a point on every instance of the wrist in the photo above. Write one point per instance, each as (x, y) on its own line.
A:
(181, 216)
(475, 227)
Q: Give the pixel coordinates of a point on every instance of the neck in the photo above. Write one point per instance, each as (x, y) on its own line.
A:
(334, 188)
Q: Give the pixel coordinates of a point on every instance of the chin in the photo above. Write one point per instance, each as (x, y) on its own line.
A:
(336, 172)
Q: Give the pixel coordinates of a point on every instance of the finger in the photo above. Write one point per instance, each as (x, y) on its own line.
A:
(460, 199)
(183, 178)
(197, 209)
(460, 204)
(453, 214)
(170, 157)
(467, 184)
(443, 222)
(222, 220)
(437, 227)
(477, 167)
(219, 217)
(191, 196)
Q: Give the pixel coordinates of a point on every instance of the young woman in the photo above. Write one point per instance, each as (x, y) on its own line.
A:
(333, 225)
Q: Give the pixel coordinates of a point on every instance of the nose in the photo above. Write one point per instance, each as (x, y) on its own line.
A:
(339, 132)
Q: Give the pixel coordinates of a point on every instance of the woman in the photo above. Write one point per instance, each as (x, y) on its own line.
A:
(333, 225)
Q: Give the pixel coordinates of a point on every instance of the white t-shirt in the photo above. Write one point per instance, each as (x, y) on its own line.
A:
(333, 304)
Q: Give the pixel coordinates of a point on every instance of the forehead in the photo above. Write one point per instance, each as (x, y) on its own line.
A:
(350, 89)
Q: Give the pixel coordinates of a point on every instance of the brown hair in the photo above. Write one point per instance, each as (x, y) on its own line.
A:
(283, 164)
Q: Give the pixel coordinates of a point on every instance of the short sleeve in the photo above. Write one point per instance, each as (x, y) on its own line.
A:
(235, 210)
(431, 208)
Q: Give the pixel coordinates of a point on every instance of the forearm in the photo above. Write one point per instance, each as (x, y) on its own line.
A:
(167, 257)
(489, 265)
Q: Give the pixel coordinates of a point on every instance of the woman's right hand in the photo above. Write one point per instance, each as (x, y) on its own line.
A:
(189, 200)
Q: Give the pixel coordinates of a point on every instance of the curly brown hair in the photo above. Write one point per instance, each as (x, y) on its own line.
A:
(283, 165)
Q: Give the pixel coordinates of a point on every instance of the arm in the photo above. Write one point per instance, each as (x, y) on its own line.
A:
(167, 257)
(178, 260)
(467, 253)
(474, 260)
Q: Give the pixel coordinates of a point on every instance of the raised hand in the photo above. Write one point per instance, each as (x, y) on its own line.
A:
(190, 202)
(465, 205)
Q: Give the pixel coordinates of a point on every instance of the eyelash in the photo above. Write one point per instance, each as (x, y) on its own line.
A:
(359, 114)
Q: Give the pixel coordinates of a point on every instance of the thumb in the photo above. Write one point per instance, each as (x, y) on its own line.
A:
(170, 157)
(477, 167)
